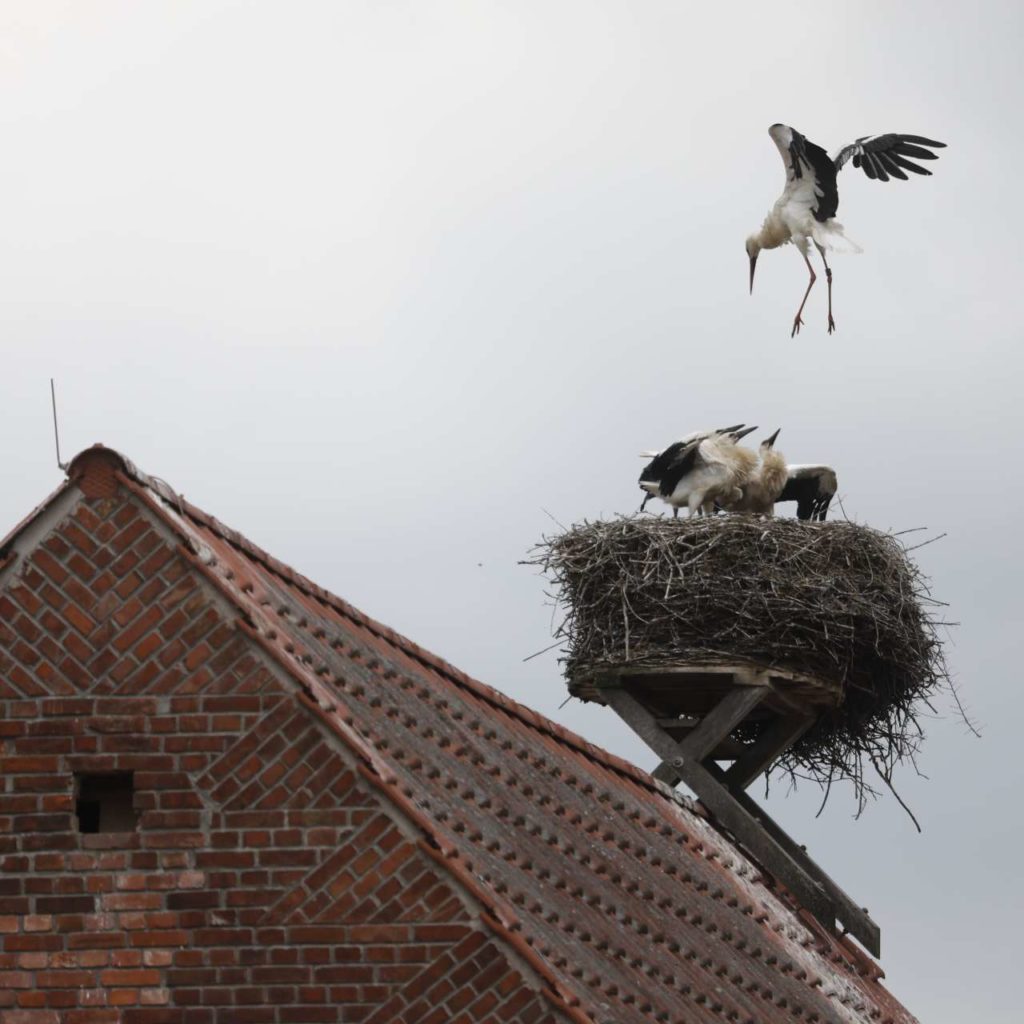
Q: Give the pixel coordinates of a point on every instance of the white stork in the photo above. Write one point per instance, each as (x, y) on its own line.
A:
(766, 483)
(812, 488)
(650, 478)
(699, 470)
(805, 212)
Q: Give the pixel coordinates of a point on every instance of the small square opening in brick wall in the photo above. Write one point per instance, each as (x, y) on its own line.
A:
(105, 803)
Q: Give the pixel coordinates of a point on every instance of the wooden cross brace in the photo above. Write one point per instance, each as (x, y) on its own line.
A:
(723, 793)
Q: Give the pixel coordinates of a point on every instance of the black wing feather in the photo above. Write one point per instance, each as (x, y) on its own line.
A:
(908, 164)
(922, 141)
(682, 464)
(891, 166)
(655, 469)
(804, 153)
(916, 152)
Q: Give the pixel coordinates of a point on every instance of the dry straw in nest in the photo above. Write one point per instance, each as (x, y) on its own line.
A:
(837, 601)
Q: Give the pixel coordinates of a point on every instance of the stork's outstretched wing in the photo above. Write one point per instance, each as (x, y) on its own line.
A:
(683, 460)
(880, 156)
(808, 168)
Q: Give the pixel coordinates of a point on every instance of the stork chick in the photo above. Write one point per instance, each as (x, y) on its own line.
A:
(806, 210)
(650, 478)
(812, 488)
(700, 473)
(766, 483)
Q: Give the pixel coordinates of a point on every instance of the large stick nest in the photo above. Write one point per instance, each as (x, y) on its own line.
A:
(836, 601)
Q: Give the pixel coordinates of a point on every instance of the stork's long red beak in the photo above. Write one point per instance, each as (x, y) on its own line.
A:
(753, 264)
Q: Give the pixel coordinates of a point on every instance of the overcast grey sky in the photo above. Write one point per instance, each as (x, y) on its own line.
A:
(379, 283)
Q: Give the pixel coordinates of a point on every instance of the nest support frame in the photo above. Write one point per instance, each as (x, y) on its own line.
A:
(692, 745)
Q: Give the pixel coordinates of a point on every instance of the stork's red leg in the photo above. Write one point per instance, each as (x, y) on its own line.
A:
(828, 277)
(797, 322)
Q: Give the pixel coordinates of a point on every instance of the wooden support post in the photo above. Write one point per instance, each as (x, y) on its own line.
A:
(642, 722)
(716, 725)
(759, 756)
(768, 852)
(702, 739)
(854, 919)
(680, 760)
(723, 795)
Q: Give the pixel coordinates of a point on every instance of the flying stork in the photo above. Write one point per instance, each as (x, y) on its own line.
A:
(699, 470)
(806, 210)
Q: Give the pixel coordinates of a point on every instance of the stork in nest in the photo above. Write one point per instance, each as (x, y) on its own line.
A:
(766, 483)
(701, 469)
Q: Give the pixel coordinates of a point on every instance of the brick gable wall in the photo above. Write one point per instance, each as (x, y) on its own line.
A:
(267, 882)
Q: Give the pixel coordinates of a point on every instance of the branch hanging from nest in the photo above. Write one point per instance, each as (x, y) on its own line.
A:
(836, 600)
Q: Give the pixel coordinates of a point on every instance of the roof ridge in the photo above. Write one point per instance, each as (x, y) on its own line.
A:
(488, 693)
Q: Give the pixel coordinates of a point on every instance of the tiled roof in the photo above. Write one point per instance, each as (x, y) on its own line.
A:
(625, 898)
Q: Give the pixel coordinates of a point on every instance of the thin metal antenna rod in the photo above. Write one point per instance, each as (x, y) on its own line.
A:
(56, 432)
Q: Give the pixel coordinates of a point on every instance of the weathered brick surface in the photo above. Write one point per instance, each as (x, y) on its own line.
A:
(265, 882)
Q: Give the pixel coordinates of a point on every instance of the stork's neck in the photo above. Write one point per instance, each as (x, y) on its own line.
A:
(774, 471)
(773, 232)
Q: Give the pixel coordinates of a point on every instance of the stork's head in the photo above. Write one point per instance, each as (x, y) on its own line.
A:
(651, 476)
(753, 248)
(769, 442)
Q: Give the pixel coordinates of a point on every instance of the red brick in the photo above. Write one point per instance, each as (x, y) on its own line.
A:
(160, 938)
(78, 619)
(131, 901)
(29, 764)
(63, 979)
(129, 977)
(147, 620)
(31, 943)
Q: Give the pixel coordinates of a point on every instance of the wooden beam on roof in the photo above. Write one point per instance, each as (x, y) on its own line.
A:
(760, 755)
(724, 796)
(855, 919)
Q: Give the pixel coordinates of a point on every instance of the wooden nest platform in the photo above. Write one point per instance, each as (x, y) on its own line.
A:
(832, 617)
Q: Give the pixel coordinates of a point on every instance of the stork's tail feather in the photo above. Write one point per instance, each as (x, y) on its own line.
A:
(830, 235)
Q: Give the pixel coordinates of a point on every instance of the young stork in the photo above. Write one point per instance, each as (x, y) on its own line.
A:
(650, 478)
(806, 210)
(766, 483)
(812, 488)
(700, 471)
